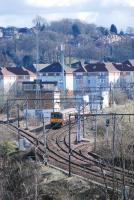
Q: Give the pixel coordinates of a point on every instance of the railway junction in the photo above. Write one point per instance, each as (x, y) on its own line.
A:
(59, 147)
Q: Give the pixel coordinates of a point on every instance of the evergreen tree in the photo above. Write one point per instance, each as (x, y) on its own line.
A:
(75, 30)
(121, 32)
(113, 29)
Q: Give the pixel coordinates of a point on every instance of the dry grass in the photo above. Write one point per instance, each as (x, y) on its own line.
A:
(128, 107)
(124, 132)
(6, 134)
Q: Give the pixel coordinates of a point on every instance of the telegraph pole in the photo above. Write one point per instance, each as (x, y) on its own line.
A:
(26, 114)
(114, 132)
(69, 154)
(83, 121)
(18, 125)
(38, 21)
(78, 138)
(95, 133)
(107, 130)
(45, 142)
(78, 133)
(113, 151)
(63, 64)
(7, 111)
(18, 114)
(113, 95)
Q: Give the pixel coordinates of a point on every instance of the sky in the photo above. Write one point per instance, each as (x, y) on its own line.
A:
(21, 13)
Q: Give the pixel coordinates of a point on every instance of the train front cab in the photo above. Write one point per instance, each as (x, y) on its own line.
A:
(56, 119)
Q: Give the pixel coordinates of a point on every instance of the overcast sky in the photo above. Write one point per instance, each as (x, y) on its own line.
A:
(101, 12)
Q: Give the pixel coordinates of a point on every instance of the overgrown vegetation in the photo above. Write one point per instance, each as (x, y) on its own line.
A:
(19, 178)
(123, 129)
(22, 179)
(7, 149)
(82, 41)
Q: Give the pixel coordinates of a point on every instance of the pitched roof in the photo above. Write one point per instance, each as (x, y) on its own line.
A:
(123, 67)
(5, 72)
(40, 66)
(17, 70)
(80, 69)
(29, 71)
(96, 67)
(1, 72)
(30, 68)
(76, 65)
(110, 67)
(129, 62)
(54, 67)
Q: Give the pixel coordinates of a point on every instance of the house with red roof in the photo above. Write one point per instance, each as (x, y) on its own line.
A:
(92, 80)
(97, 76)
(126, 78)
(54, 73)
(80, 80)
(12, 78)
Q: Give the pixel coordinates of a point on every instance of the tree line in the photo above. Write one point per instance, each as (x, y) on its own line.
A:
(82, 41)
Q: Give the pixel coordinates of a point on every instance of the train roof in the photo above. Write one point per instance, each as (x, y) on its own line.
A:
(68, 110)
(73, 110)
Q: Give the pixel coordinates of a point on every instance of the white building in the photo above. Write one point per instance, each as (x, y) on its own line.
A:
(54, 72)
(113, 74)
(92, 79)
(126, 74)
(12, 78)
(79, 82)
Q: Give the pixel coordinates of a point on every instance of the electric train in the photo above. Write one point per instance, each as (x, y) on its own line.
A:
(60, 118)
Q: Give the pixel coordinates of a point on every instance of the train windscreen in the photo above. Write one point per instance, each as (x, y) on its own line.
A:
(56, 115)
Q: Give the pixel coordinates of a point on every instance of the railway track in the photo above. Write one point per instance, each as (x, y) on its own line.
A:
(91, 164)
(85, 165)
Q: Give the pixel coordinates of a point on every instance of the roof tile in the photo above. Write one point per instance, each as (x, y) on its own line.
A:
(54, 67)
(17, 70)
(96, 67)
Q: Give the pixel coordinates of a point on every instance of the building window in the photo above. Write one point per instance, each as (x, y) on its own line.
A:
(127, 73)
(102, 74)
(51, 74)
(57, 74)
(102, 80)
(79, 77)
(79, 82)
